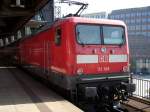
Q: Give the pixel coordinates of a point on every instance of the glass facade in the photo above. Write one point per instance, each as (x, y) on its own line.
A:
(100, 15)
(138, 24)
(142, 65)
(137, 20)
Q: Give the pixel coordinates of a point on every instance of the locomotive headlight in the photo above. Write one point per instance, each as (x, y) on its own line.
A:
(126, 69)
(79, 71)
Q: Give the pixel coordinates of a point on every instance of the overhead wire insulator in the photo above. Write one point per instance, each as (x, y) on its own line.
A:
(82, 8)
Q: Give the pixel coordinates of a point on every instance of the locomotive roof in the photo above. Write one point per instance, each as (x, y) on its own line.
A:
(93, 21)
(84, 20)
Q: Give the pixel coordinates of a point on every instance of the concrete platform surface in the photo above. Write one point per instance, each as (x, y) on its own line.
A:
(21, 93)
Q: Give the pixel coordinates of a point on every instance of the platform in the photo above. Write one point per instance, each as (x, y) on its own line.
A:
(21, 93)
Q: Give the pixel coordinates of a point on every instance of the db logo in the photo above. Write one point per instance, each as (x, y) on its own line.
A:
(103, 58)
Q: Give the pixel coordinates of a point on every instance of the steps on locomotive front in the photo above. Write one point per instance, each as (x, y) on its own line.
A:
(20, 93)
(137, 105)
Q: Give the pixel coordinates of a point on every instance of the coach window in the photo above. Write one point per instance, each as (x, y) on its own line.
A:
(58, 36)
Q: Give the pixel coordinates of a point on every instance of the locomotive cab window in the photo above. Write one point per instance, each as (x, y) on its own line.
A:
(58, 36)
(88, 34)
(113, 35)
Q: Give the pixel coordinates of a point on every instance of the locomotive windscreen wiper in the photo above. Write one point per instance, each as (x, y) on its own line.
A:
(123, 40)
(79, 40)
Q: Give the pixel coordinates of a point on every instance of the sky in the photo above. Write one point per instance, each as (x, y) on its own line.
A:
(105, 5)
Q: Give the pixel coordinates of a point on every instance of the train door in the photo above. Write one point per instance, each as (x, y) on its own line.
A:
(57, 47)
(59, 50)
(46, 58)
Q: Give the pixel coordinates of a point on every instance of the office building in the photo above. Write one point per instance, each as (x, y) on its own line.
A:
(138, 24)
(99, 15)
(137, 20)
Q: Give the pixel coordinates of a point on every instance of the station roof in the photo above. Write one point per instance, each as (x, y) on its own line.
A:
(13, 15)
(35, 23)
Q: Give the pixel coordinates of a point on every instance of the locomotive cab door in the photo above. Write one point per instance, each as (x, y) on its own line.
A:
(59, 51)
(47, 58)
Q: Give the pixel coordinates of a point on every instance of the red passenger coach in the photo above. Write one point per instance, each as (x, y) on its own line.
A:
(87, 57)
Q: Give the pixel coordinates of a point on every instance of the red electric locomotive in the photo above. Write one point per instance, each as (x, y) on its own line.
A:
(87, 57)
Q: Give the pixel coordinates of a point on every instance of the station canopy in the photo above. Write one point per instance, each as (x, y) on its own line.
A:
(16, 13)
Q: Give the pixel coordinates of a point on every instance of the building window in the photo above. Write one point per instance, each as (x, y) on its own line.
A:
(148, 13)
(122, 15)
(148, 20)
(132, 21)
(148, 34)
(144, 33)
(38, 17)
(144, 20)
(144, 27)
(128, 21)
(144, 14)
(112, 17)
(138, 20)
(132, 14)
(137, 27)
(132, 27)
(148, 27)
(138, 33)
(128, 27)
(116, 16)
(127, 15)
(138, 14)
(132, 33)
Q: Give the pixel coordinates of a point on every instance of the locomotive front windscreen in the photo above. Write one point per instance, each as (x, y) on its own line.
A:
(100, 34)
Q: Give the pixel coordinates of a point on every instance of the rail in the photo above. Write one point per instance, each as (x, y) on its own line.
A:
(142, 88)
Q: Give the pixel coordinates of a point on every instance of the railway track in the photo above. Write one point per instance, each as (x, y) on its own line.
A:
(137, 105)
